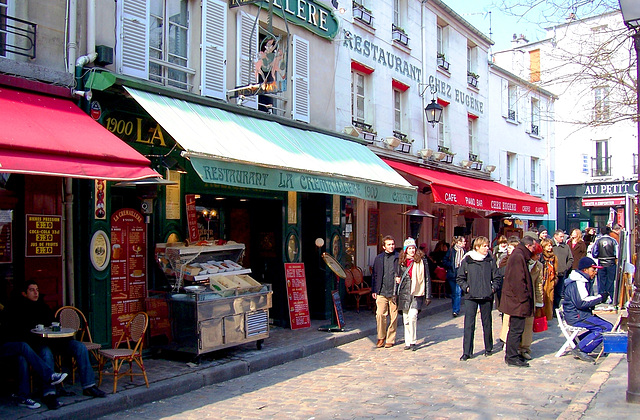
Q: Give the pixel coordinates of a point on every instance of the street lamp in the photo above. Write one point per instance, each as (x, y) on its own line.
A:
(434, 112)
(631, 15)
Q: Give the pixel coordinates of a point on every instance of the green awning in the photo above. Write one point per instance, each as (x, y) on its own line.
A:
(237, 150)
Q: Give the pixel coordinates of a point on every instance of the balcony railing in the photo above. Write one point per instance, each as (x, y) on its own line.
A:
(511, 115)
(601, 166)
(362, 13)
(534, 129)
(398, 34)
(472, 79)
(17, 36)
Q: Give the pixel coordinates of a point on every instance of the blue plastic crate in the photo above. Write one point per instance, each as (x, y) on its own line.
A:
(615, 342)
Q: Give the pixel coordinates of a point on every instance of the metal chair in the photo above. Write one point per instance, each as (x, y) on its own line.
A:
(72, 317)
(134, 332)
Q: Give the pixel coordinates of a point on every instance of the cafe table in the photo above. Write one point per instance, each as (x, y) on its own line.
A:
(49, 333)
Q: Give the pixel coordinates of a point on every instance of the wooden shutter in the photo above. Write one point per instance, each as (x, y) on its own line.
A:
(247, 50)
(133, 48)
(214, 49)
(300, 105)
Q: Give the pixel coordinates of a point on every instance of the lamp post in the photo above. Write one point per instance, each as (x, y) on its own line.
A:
(631, 15)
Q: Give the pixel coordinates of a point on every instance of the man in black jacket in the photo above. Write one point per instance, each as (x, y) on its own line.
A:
(383, 286)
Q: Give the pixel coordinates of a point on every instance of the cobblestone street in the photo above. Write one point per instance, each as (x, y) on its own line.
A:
(358, 381)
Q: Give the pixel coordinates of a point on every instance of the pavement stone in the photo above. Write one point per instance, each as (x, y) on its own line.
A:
(343, 375)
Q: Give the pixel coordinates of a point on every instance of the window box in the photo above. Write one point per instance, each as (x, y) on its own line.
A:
(446, 155)
(399, 35)
(404, 147)
(442, 63)
(362, 14)
(472, 79)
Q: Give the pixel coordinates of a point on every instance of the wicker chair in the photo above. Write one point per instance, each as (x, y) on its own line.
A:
(72, 317)
(134, 332)
(357, 287)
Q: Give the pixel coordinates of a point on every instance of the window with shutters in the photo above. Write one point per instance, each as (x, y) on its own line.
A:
(154, 43)
(534, 174)
(443, 128)
(512, 168)
(168, 43)
(535, 117)
(357, 97)
(512, 102)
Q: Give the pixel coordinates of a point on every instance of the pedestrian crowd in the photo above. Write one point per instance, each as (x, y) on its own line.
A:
(530, 280)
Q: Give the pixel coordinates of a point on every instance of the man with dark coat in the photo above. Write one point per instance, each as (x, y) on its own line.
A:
(517, 299)
(383, 287)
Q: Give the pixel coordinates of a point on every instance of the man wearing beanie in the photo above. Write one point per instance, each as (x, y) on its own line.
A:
(543, 233)
(383, 286)
(578, 305)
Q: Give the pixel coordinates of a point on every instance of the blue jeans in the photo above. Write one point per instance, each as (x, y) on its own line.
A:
(75, 349)
(456, 292)
(26, 357)
(591, 339)
(606, 279)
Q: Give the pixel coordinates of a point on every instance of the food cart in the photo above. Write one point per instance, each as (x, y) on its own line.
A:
(215, 303)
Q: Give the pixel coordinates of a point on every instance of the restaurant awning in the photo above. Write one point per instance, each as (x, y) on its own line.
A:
(44, 135)
(232, 149)
(470, 192)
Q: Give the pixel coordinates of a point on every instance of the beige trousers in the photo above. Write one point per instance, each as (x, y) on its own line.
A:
(527, 335)
(386, 307)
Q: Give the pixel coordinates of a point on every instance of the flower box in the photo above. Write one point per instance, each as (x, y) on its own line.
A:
(398, 34)
(362, 13)
(442, 63)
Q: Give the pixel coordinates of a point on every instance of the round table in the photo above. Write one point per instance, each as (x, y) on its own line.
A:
(49, 333)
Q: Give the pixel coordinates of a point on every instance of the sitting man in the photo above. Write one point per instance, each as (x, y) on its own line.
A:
(27, 312)
(27, 357)
(578, 305)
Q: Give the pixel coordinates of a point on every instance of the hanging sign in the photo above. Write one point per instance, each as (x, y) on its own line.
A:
(297, 296)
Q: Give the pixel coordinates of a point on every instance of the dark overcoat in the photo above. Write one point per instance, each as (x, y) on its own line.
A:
(517, 288)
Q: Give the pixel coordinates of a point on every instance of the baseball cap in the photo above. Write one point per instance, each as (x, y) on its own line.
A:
(586, 262)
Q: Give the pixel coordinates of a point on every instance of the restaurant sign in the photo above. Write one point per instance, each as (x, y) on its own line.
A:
(44, 238)
(273, 179)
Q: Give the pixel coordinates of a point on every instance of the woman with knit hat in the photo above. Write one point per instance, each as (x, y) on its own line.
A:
(413, 290)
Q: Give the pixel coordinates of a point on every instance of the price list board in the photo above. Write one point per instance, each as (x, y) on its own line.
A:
(44, 237)
(128, 268)
(297, 296)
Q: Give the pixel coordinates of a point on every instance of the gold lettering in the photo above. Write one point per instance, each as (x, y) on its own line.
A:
(157, 135)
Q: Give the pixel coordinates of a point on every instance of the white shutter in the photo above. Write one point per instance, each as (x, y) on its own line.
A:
(504, 86)
(300, 105)
(133, 48)
(214, 49)
(247, 50)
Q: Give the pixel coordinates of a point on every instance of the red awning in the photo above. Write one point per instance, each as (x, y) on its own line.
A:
(44, 135)
(472, 192)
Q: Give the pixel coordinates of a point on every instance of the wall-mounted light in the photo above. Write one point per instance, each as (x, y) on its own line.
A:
(425, 153)
(465, 163)
(439, 155)
(490, 168)
(433, 111)
(79, 94)
(392, 142)
(172, 164)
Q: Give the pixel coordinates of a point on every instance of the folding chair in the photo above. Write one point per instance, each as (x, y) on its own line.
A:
(570, 333)
(133, 332)
(72, 317)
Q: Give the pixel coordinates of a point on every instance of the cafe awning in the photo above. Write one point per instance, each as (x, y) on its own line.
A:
(45, 135)
(238, 150)
(470, 192)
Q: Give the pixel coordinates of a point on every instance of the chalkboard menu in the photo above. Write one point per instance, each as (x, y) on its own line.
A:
(297, 295)
(337, 306)
(44, 237)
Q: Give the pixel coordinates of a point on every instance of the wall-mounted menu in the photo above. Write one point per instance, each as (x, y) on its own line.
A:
(128, 268)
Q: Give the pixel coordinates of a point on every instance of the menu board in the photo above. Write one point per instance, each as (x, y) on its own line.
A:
(44, 237)
(297, 296)
(128, 268)
(6, 225)
(192, 218)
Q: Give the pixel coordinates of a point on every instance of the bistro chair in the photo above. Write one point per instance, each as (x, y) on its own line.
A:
(356, 286)
(133, 333)
(72, 317)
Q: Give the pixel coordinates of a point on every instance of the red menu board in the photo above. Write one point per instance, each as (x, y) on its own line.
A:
(128, 268)
(192, 218)
(297, 296)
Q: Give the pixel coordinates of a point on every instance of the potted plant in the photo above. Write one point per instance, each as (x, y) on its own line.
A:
(399, 35)
(448, 155)
(362, 13)
(472, 79)
(442, 62)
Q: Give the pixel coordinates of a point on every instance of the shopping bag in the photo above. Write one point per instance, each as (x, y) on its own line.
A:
(540, 324)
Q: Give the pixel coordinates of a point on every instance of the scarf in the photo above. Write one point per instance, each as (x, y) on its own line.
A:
(457, 260)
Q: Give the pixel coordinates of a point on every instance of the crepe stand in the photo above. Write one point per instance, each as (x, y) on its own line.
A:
(337, 316)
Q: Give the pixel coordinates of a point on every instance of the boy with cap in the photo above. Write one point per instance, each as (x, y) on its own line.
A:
(578, 305)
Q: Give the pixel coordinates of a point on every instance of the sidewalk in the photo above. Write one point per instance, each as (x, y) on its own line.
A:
(602, 395)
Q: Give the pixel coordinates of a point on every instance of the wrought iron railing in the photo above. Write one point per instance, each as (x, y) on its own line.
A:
(17, 36)
(601, 166)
